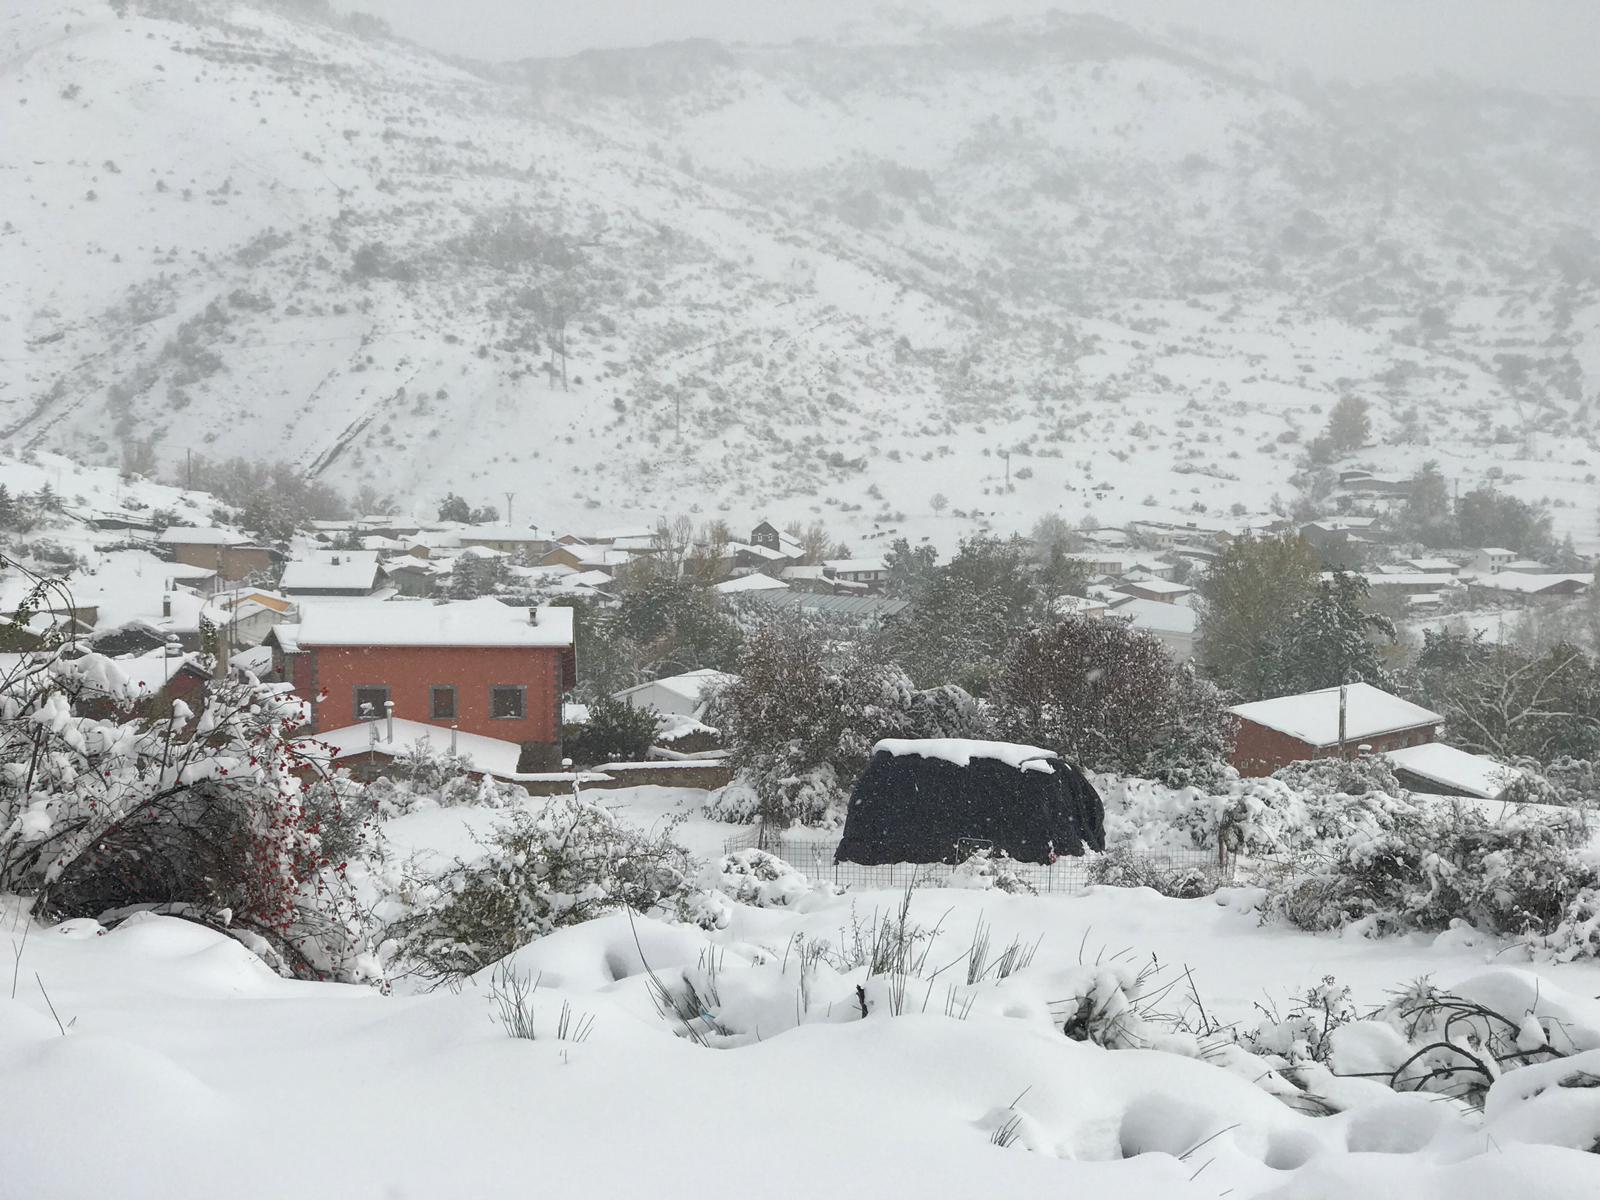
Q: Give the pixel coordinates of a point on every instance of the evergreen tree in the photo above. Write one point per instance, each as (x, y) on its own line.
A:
(1247, 599)
(454, 508)
(1348, 425)
(1426, 516)
(8, 509)
(1329, 640)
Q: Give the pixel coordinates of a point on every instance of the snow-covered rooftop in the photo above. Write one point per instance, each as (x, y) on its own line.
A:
(484, 622)
(691, 685)
(1313, 717)
(1161, 587)
(325, 570)
(750, 583)
(1157, 616)
(1515, 581)
(962, 751)
(493, 756)
(853, 565)
(200, 535)
(1472, 774)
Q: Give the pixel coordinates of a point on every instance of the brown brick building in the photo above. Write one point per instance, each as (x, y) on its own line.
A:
(484, 667)
(1274, 733)
(232, 556)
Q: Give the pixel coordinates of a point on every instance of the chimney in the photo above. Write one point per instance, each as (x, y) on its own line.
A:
(334, 560)
(166, 605)
(388, 712)
(533, 615)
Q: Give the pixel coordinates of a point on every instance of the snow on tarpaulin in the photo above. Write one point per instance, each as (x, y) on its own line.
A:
(922, 800)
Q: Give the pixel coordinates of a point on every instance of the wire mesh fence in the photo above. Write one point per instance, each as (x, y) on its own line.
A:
(813, 854)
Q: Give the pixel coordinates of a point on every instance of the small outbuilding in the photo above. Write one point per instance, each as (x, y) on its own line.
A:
(940, 799)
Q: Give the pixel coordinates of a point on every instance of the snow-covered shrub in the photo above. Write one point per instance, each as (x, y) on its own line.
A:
(757, 878)
(1350, 776)
(1119, 868)
(1575, 780)
(562, 863)
(1430, 865)
(737, 803)
(985, 869)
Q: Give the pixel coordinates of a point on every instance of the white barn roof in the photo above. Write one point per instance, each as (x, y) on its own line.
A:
(1313, 717)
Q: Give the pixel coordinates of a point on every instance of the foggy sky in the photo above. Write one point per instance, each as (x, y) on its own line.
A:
(1547, 46)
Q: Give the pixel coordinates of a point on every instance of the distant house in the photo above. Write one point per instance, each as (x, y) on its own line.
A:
(1433, 566)
(1491, 560)
(870, 572)
(1173, 625)
(370, 749)
(478, 665)
(325, 573)
(508, 539)
(1274, 733)
(1441, 770)
(1163, 591)
(1409, 583)
(675, 695)
(754, 582)
(231, 555)
(770, 537)
(1505, 585)
(848, 608)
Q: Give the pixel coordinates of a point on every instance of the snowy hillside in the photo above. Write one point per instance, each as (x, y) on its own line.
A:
(831, 278)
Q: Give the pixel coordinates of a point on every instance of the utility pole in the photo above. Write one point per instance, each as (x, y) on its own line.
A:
(510, 496)
(1006, 454)
(188, 469)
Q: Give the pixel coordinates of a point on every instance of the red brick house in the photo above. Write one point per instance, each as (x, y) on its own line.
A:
(1274, 733)
(483, 667)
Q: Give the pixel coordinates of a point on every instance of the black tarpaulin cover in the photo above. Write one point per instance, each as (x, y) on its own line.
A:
(935, 800)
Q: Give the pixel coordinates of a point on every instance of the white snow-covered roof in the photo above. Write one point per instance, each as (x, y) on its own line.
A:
(627, 531)
(1157, 616)
(1527, 584)
(755, 551)
(962, 751)
(853, 565)
(1472, 774)
(1433, 565)
(498, 533)
(200, 535)
(1432, 580)
(147, 674)
(324, 570)
(1083, 606)
(483, 622)
(802, 572)
(601, 556)
(691, 685)
(1161, 587)
(1498, 552)
(1313, 717)
(493, 756)
(750, 583)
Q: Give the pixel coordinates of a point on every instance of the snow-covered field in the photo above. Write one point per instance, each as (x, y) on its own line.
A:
(186, 1068)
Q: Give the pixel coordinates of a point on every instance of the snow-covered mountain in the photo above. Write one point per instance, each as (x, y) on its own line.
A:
(831, 278)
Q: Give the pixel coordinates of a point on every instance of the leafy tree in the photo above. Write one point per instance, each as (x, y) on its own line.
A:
(1247, 600)
(910, 569)
(1329, 640)
(1111, 698)
(1486, 517)
(966, 615)
(1426, 515)
(454, 508)
(1348, 424)
(616, 731)
(1502, 701)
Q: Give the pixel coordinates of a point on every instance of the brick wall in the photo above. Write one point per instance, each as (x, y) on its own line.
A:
(410, 672)
(1259, 751)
